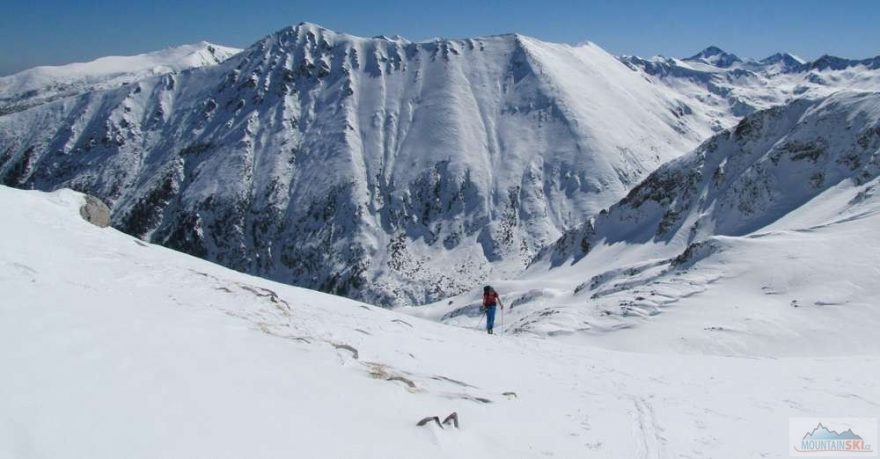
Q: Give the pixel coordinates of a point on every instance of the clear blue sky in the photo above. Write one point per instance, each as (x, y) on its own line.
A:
(43, 32)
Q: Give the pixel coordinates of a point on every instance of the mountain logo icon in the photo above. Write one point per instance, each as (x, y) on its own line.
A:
(823, 433)
(825, 440)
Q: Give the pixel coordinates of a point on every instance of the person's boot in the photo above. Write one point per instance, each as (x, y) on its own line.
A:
(490, 332)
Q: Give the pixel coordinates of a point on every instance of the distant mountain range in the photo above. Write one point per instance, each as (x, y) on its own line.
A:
(717, 57)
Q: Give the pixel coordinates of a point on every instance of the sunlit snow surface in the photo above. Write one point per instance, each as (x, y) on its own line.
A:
(763, 241)
(44, 84)
(733, 289)
(114, 348)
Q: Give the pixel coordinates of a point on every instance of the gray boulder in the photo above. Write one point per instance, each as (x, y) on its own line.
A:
(95, 212)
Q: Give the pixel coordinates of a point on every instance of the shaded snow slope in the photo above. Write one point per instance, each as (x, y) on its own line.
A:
(112, 347)
(376, 168)
(44, 84)
(761, 239)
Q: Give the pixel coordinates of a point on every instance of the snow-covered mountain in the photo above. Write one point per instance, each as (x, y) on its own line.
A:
(771, 164)
(715, 57)
(376, 168)
(40, 85)
(727, 87)
(112, 347)
(782, 62)
(383, 169)
(760, 235)
(828, 62)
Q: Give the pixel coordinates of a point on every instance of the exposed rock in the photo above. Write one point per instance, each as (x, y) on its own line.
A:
(95, 212)
(346, 347)
(452, 420)
(406, 381)
(428, 419)
(453, 381)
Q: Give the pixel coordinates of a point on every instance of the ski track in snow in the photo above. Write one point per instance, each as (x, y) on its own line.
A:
(648, 433)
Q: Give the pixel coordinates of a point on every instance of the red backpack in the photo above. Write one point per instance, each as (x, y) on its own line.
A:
(490, 299)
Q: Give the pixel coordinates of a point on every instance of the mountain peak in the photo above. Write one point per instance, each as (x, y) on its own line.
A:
(716, 56)
(783, 62)
(711, 51)
(829, 62)
(783, 57)
(310, 26)
(302, 28)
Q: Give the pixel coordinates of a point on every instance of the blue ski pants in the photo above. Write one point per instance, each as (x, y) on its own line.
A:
(490, 317)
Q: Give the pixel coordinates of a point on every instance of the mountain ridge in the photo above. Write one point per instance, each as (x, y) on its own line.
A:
(478, 147)
(42, 84)
(765, 139)
(364, 166)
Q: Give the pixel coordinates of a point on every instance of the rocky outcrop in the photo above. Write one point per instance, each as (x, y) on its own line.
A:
(95, 212)
(451, 421)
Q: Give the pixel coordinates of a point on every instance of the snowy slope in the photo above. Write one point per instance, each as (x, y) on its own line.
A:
(762, 238)
(375, 168)
(40, 85)
(115, 348)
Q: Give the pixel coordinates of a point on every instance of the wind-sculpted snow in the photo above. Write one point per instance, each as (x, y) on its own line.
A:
(380, 169)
